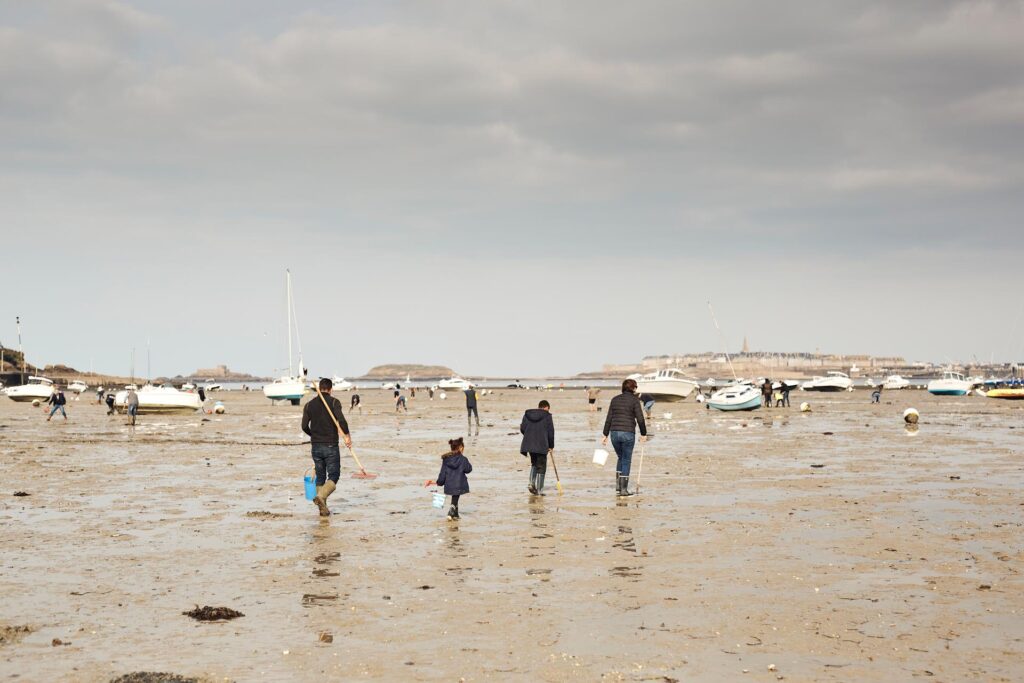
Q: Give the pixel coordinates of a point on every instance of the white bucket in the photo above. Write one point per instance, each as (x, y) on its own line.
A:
(438, 500)
(600, 456)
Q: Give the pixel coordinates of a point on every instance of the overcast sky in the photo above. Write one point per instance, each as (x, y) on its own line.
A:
(509, 187)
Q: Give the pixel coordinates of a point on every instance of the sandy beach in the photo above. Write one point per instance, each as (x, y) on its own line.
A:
(774, 545)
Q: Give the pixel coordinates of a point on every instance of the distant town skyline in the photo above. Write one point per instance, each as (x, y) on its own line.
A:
(509, 188)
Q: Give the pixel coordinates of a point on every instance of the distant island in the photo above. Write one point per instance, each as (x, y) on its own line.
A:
(400, 371)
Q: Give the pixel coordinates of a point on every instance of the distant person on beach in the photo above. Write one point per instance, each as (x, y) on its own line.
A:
(766, 393)
(412, 392)
(592, 394)
(876, 395)
(454, 468)
(400, 402)
(99, 396)
(202, 394)
(355, 403)
(110, 404)
(131, 403)
(430, 392)
(538, 430)
(323, 439)
(777, 397)
(471, 410)
(624, 414)
(648, 403)
(57, 400)
(785, 395)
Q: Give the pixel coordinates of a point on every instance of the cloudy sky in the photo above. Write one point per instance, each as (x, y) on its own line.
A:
(509, 187)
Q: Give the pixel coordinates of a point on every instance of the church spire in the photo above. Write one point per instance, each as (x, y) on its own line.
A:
(746, 346)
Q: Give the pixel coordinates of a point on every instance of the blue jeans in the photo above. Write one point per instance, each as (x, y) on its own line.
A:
(56, 407)
(327, 461)
(649, 406)
(623, 443)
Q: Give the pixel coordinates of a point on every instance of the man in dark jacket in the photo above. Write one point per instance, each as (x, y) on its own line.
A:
(538, 430)
(624, 414)
(766, 393)
(471, 410)
(58, 400)
(323, 437)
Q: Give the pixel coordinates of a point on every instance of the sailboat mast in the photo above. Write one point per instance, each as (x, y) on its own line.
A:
(725, 346)
(17, 321)
(288, 305)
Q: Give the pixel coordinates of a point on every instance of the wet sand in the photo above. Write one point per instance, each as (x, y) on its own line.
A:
(899, 559)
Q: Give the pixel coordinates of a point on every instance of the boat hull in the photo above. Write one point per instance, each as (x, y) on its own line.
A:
(27, 393)
(160, 402)
(825, 387)
(667, 391)
(1006, 394)
(948, 392)
(729, 401)
(285, 391)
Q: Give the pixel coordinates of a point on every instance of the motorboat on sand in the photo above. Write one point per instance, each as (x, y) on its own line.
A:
(832, 381)
(894, 382)
(669, 385)
(951, 384)
(736, 396)
(160, 399)
(454, 383)
(37, 388)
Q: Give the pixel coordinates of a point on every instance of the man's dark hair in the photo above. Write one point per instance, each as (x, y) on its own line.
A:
(543, 404)
(629, 385)
(326, 384)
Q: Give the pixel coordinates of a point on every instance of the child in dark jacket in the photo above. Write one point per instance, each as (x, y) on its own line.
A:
(454, 468)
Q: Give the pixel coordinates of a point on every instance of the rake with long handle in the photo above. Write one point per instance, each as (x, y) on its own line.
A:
(362, 473)
(558, 482)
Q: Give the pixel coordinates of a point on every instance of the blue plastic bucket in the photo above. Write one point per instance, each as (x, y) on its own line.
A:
(309, 482)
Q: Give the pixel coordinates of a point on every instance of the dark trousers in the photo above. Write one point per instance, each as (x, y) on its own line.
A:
(455, 501)
(327, 461)
(539, 461)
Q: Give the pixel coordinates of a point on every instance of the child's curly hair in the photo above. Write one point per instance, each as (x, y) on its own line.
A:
(456, 445)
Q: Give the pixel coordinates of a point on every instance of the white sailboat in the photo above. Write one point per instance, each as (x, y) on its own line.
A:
(291, 387)
(454, 383)
(738, 395)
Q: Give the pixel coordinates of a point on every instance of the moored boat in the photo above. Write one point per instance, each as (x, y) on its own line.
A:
(37, 388)
(894, 382)
(454, 383)
(950, 384)
(78, 386)
(669, 385)
(737, 396)
(832, 381)
(160, 399)
(291, 387)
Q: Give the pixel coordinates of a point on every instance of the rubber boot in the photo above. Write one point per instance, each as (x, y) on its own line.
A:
(322, 495)
(624, 487)
(453, 512)
(540, 483)
(533, 479)
(618, 483)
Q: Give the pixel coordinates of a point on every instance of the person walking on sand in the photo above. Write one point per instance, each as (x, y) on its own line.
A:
(785, 395)
(592, 394)
(400, 402)
(766, 393)
(538, 430)
(110, 404)
(323, 439)
(454, 468)
(624, 414)
(355, 403)
(58, 400)
(430, 393)
(131, 404)
(471, 411)
(876, 395)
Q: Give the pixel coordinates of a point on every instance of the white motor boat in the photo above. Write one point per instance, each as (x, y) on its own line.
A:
(893, 382)
(790, 384)
(291, 387)
(454, 383)
(78, 386)
(832, 381)
(951, 384)
(213, 386)
(341, 384)
(669, 385)
(736, 396)
(161, 399)
(37, 388)
(188, 386)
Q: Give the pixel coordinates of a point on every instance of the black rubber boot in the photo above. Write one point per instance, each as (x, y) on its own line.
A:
(618, 483)
(533, 480)
(624, 487)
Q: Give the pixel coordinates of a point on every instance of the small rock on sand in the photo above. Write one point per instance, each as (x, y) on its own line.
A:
(153, 677)
(207, 613)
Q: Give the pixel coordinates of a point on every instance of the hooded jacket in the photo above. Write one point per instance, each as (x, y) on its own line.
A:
(318, 424)
(452, 476)
(538, 430)
(624, 414)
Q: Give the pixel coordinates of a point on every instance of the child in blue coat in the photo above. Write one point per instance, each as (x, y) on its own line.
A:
(454, 468)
